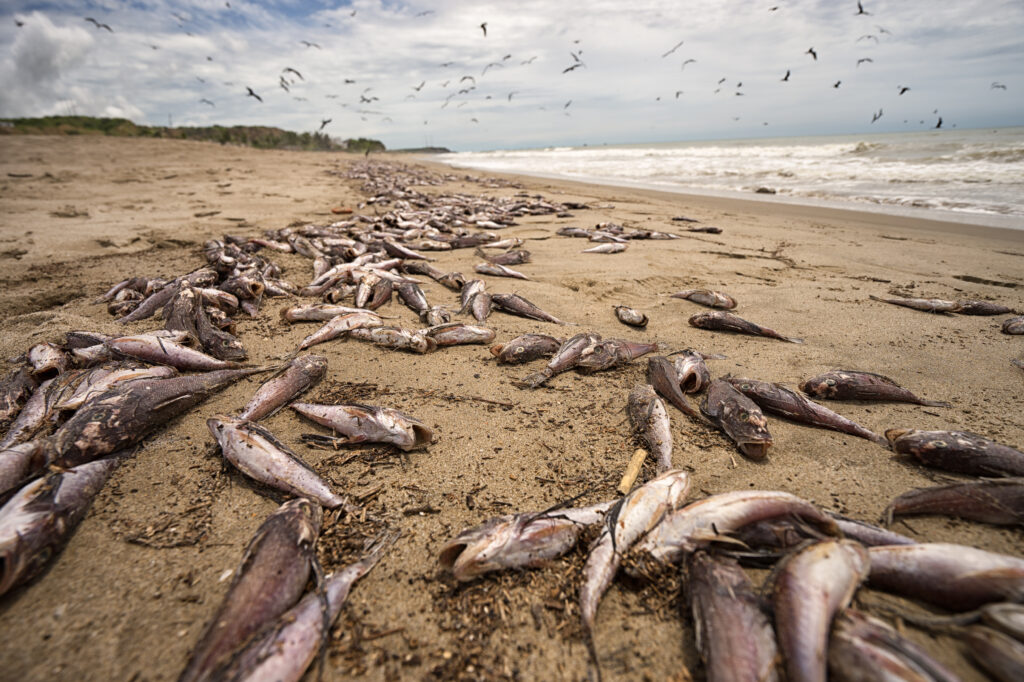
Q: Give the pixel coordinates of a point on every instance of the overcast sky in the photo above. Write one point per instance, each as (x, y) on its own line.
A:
(418, 73)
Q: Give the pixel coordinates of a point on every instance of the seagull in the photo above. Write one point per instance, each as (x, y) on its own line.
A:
(18, 23)
(573, 67)
(567, 104)
(865, 59)
(867, 36)
(997, 85)
(678, 92)
(678, 45)
(721, 80)
(514, 92)
(253, 94)
(98, 24)
(877, 116)
(309, 44)
(530, 60)
(349, 81)
(468, 78)
(201, 80)
(474, 120)
(860, 10)
(882, 30)
(288, 68)
(483, 27)
(506, 58)
(772, 9)
(836, 84)
(206, 101)
(324, 122)
(420, 86)
(284, 84)
(489, 66)
(811, 52)
(902, 88)
(939, 124)
(786, 77)
(688, 61)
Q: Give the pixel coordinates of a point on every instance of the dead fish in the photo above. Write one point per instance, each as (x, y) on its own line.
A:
(525, 348)
(413, 297)
(739, 417)
(734, 635)
(971, 307)
(261, 456)
(269, 580)
(996, 501)
(380, 293)
(480, 306)
(723, 321)
(662, 376)
(369, 424)
(628, 316)
(650, 422)
(295, 378)
(84, 339)
(497, 270)
(456, 333)
(1013, 325)
(47, 359)
(436, 316)
(396, 338)
(693, 373)
(19, 463)
(30, 419)
(318, 312)
(100, 383)
(364, 290)
(953, 577)
(167, 352)
(126, 414)
(566, 357)
(421, 268)
(778, 399)
(624, 524)
(962, 452)
(15, 390)
(517, 257)
(203, 277)
(610, 247)
(340, 325)
(707, 297)
(860, 644)
(868, 534)
(844, 384)
(517, 305)
(714, 518)
(1007, 617)
(468, 292)
(41, 517)
(517, 540)
(928, 305)
(453, 280)
(510, 243)
(244, 288)
(285, 650)
(813, 586)
(400, 251)
(1000, 656)
(610, 353)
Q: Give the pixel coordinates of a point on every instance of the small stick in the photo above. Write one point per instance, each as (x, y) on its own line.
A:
(632, 471)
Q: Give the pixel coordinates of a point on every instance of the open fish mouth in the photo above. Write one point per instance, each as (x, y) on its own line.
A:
(755, 449)
(893, 434)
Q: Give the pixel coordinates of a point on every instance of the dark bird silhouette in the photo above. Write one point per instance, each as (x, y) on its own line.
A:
(309, 44)
(786, 77)
(468, 78)
(446, 64)
(474, 120)
(323, 123)
(882, 30)
(514, 92)
(688, 61)
(772, 9)
(425, 13)
(678, 92)
(530, 60)
(677, 46)
(997, 86)
(483, 27)
(201, 80)
(289, 69)
(865, 59)
(939, 124)
(284, 84)
(567, 104)
(18, 23)
(253, 94)
(836, 84)
(98, 24)
(868, 36)
(573, 67)
(206, 101)
(349, 81)
(902, 88)
(489, 66)
(811, 52)
(420, 86)
(506, 58)
(721, 80)
(861, 10)
(876, 116)
(576, 55)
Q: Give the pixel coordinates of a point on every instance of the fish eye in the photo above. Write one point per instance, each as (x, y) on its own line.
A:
(830, 382)
(745, 387)
(744, 415)
(938, 443)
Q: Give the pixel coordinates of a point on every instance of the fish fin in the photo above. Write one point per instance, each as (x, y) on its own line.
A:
(933, 403)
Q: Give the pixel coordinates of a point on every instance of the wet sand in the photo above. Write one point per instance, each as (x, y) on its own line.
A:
(134, 588)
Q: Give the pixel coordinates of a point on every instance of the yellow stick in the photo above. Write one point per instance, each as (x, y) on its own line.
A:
(632, 471)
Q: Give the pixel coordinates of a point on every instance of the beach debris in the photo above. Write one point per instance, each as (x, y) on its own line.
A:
(813, 586)
(613, 247)
(849, 384)
(734, 635)
(1013, 325)
(285, 650)
(41, 517)
(525, 348)
(860, 642)
(517, 305)
(518, 540)
(707, 297)
(293, 379)
(624, 524)
(662, 376)
(268, 581)
(739, 417)
(778, 399)
(1000, 656)
(650, 423)
(722, 321)
(628, 316)
(953, 577)
(961, 452)
(368, 424)
(498, 270)
(340, 325)
(999, 501)
(928, 305)
(636, 463)
(456, 333)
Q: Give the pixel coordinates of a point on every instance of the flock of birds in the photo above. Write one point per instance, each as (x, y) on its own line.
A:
(465, 89)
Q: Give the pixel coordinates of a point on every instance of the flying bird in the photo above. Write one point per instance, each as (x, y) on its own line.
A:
(567, 104)
(253, 94)
(489, 66)
(506, 58)
(420, 86)
(721, 80)
(677, 46)
(474, 120)
(998, 86)
(468, 78)
(836, 84)
(882, 30)
(811, 52)
(786, 77)
(425, 13)
(861, 10)
(18, 23)
(446, 64)
(902, 88)
(284, 84)
(514, 92)
(324, 122)
(573, 67)
(868, 36)
(206, 101)
(201, 80)
(309, 44)
(939, 124)
(530, 60)
(290, 69)
(865, 59)
(688, 61)
(678, 92)
(98, 24)
(876, 116)
(349, 81)
(483, 27)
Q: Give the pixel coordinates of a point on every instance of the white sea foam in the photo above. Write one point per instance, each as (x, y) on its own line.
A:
(979, 172)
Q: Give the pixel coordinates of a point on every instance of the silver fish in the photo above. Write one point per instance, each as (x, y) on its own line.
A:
(340, 325)
(47, 358)
(1013, 325)
(998, 501)
(456, 333)
(517, 305)
(612, 247)
(437, 315)
(962, 452)
(650, 421)
(369, 424)
(928, 305)
(93, 386)
(498, 270)
(320, 312)
(694, 376)
(719, 320)
(469, 290)
(167, 352)
(707, 297)
(525, 348)
(1000, 656)
(395, 337)
(628, 316)
(295, 378)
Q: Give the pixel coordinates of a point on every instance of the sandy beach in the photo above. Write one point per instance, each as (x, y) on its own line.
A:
(130, 594)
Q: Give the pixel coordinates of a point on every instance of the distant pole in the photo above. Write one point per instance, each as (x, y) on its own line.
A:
(170, 123)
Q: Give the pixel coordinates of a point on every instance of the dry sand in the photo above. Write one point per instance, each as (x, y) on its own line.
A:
(132, 591)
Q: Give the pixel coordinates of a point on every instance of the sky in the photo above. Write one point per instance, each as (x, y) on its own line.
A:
(428, 73)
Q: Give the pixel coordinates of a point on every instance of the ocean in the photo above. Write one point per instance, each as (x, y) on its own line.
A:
(973, 176)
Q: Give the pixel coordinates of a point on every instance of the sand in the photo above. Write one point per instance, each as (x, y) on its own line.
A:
(133, 589)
